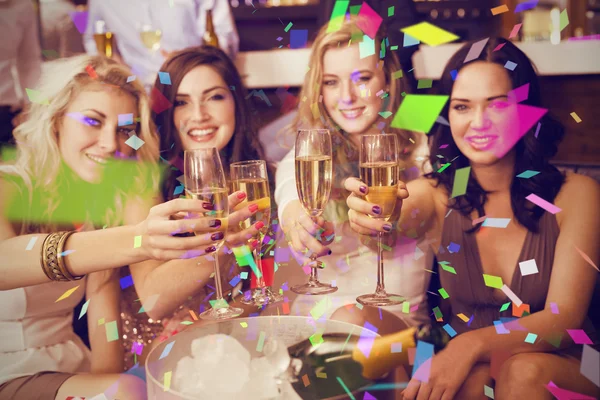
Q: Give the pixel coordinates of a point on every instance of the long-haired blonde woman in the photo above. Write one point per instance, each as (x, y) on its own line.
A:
(348, 94)
(62, 200)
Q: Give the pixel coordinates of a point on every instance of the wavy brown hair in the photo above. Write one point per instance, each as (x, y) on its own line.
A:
(244, 144)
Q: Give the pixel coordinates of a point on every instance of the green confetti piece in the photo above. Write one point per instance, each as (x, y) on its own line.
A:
(244, 257)
(216, 304)
(112, 333)
(530, 338)
(443, 293)
(319, 309)
(406, 307)
(424, 83)
(391, 11)
(385, 247)
(348, 392)
(443, 167)
(137, 242)
(37, 97)
(186, 322)
(394, 48)
(396, 298)
(397, 74)
(504, 306)
(101, 321)
(564, 19)
(261, 341)
(488, 391)
(492, 281)
(288, 27)
(448, 268)
(418, 112)
(438, 313)
(337, 16)
(354, 10)
(527, 174)
(84, 308)
(385, 114)
(461, 179)
(359, 306)
(316, 339)
(554, 339)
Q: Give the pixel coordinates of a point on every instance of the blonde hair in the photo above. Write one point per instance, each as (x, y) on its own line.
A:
(38, 161)
(345, 152)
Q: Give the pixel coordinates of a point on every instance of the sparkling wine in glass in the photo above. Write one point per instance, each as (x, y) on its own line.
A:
(314, 173)
(104, 39)
(150, 37)
(379, 170)
(205, 180)
(251, 178)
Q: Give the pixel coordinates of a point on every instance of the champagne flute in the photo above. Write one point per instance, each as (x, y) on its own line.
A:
(251, 177)
(103, 38)
(314, 173)
(150, 37)
(205, 180)
(379, 170)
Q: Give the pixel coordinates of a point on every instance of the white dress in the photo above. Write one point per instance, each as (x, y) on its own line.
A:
(36, 332)
(352, 267)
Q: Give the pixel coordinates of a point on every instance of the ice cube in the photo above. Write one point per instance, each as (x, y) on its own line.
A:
(261, 384)
(186, 378)
(211, 348)
(276, 352)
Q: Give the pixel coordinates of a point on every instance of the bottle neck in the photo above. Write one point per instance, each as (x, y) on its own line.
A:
(209, 22)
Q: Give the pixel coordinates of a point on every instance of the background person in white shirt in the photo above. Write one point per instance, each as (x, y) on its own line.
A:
(20, 60)
(182, 23)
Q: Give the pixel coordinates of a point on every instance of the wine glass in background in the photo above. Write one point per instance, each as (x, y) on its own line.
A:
(103, 38)
(205, 180)
(251, 178)
(379, 170)
(314, 173)
(150, 37)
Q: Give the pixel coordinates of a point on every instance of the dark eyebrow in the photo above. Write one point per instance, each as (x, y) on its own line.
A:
(203, 92)
(96, 111)
(488, 99)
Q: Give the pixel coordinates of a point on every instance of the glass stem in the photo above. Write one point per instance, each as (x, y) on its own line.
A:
(260, 282)
(313, 278)
(380, 278)
(218, 287)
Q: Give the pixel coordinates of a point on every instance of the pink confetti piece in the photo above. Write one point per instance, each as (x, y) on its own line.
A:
(369, 21)
(475, 50)
(511, 295)
(551, 208)
(579, 336)
(563, 394)
(515, 31)
(586, 258)
(554, 308)
(479, 220)
(501, 45)
(519, 94)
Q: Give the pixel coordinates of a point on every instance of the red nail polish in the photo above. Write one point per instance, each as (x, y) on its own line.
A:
(253, 208)
(254, 243)
(210, 249)
(259, 225)
(241, 195)
(208, 206)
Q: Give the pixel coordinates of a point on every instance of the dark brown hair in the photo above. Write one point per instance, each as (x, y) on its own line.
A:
(244, 144)
(531, 153)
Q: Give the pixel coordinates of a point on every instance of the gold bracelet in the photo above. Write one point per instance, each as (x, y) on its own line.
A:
(61, 259)
(52, 263)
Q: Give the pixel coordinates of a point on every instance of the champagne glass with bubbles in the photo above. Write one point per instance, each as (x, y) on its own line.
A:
(314, 173)
(205, 180)
(251, 178)
(379, 170)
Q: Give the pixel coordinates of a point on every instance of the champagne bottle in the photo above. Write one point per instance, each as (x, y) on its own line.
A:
(210, 36)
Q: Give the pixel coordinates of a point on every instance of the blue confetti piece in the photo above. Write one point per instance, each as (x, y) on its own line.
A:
(126, 281)
(125, 119)
(410, 41)
(166, 350)
(424, 352)
(454, 74)
(66, 253)
(298, 38)
(528, 5)
(84, 308)
(178, 190)
(510, 65)
(130, 78)
(236, 279)
(164, 78)
(370, 327)
(454, 247)
(527, 174)
(450, 330)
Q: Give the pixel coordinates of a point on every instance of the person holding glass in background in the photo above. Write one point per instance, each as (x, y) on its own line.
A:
(208, 110)
(345, 93)
(144, 32)
(539, 260)
(65, 200)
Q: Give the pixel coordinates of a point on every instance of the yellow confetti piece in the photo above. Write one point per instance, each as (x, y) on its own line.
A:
(492, 281)
(315, 110)
(137, 242)
(500, 9)
(463, 317)
(67, 293)
(101, 321)
(167, 380)
(244, 324)
(575, 117)
(429, 34)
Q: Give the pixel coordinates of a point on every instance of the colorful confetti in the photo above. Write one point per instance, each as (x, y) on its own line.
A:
(67, 293)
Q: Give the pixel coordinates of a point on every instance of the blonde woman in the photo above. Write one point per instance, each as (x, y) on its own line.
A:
(346, 93)
(65, 182)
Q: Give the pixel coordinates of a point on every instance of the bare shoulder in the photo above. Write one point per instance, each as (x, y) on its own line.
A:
(579, 194)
